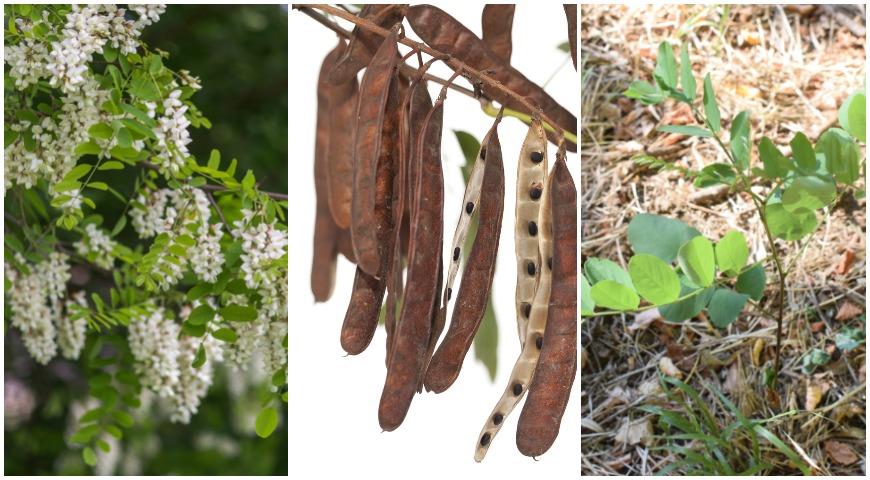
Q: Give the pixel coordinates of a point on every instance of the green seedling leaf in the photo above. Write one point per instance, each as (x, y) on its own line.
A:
(853, 116)
(716, 174)
(741, 141)
(725, 306)
(647, 93)
(655, 280)
(711, 108)
(659, 236)
(752, 282)
(814, 359)
(787, 225)
(803, 152)
(732, 252)
(665, 72)
(849, 338)
(266, 422)
(598, 269)
(687, 79)
(776, 165)
(587, 303)
(841, 155)
(808, 193)
(690, 130)
(698, 262)
(614, 295)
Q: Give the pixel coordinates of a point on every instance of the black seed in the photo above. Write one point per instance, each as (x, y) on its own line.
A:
(469, 207)
(456, 254)
(550, 263)
(527, 309)
(497, 419)
(535, 192)
(539, 342)
(449, 293)
(484, 440)
(537, 157)
(530, 267)
(483, 153)
(533, 228)
(518, 389)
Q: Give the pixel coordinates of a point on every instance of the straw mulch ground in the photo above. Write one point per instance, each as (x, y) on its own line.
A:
(791, 67)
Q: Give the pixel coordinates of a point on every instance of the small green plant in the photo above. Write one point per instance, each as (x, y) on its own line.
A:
(717, 440)
(786, 191)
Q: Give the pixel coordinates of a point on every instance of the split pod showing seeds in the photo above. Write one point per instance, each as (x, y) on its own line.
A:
(497, 21)
(524, 368)
(477, 277)
(542, 413)
(531, 171)
(446, 34)
(370, 145)
(363, 43)
(415, 322)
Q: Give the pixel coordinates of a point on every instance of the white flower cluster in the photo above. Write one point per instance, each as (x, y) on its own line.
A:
(261, 245)
(164, 361)
(97, 247)
(35, 301)
(71, 327)
(207, 259)
(172, 135)
(154, 343)
(163, 207)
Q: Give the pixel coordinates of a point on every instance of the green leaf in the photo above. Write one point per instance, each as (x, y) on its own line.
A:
(587, 303)
(654, 279)
(725, 306)
(140, 115)
(266, 422)
(101, 130)
(741, 143)
(853, 116)
(199, 359)
(751, 282)
(776, 165)
(647, 93)
(665, 72)
(698, 262)
(111, 165)
(598, 269)
(690, 130)
(687, 78)
(84, 434)
(155, 64)
(142, 86)
(192, 330)
(238, 313)
(711, 108)
(813, 359)
(803, 152)
(248, 181)
(125, 139)
(689, 307)
(92, 415)
(98, 186)
(123, 418)
(564, 46)
(186, 240)
(841, 155)
(89, 456)
(715, 174)
(77, 172)
(787, 225)
(614, 295)
(201, 315)
(198, 291)
(658, 235)
(732, 252)
(214, 159)
(808, 193)
(849, 338)
(225, 335)
(114, 431)
(486, 341)
(122, 221)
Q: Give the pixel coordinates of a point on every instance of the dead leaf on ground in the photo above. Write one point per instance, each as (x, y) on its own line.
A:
(644, 319)
(634, 432)
(845, 263)
(757, 350)
(817, 326)
(848, 311)
(666, 365)
(591, 425)
(815, 391)
(840, 452)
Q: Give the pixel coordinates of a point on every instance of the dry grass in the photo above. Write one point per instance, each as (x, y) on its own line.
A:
(791, 70)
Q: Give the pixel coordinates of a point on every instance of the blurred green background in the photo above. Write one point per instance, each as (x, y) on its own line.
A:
(240, 55)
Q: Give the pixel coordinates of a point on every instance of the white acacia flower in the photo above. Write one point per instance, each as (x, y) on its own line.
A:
(71, 327)
(154, 343)
(96, 244)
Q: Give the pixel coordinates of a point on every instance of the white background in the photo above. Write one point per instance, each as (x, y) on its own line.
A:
(333, 402)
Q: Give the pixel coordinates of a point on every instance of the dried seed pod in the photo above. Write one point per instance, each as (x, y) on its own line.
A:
(477, 278)
(438, 321)
(363, 43)
(539, 420)
(497, 21)
(531, 170)
(414, 327)
(524, 368)
(446, 34)
(343, 101)
(325, 231)
(370, 146)
(571, 16)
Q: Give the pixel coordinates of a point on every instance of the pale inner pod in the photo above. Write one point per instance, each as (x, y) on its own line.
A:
(524, 368)
(531, 171)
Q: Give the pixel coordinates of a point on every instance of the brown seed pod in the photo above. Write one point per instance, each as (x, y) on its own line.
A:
(497, 21)
(437, 321)
(343, 99)
(571, 16)
(542, 413)
(375, 90)
(477, 278)
(325, 231)
(446, 34)
(524, 368)
(531, 170)
(363, 43)
(414, 327)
